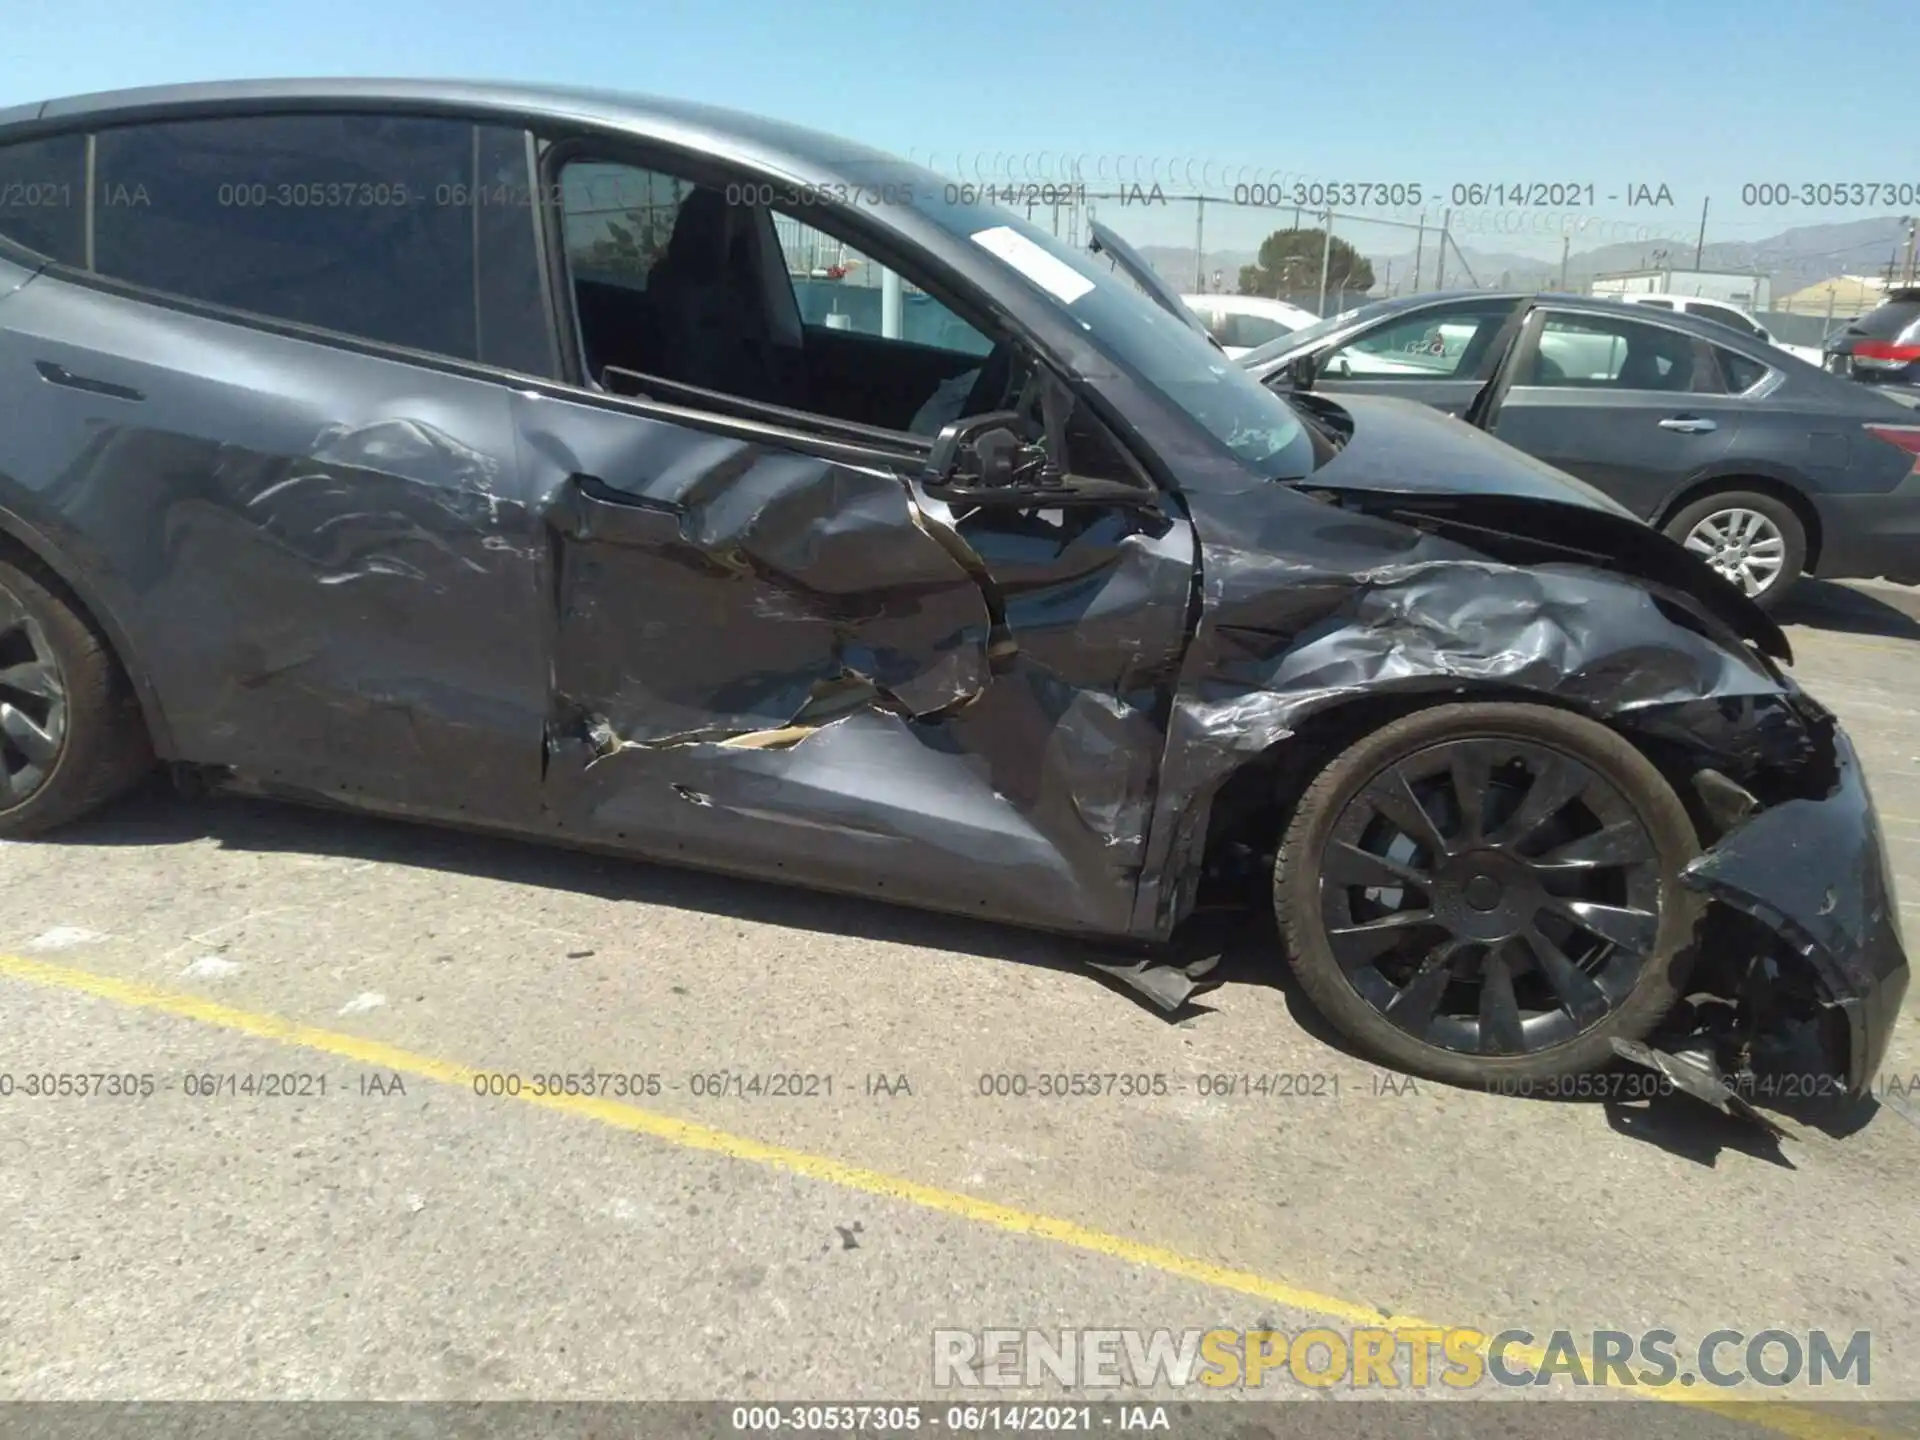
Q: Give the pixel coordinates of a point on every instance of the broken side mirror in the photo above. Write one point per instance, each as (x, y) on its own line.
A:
(1302, 370)
(987, 460)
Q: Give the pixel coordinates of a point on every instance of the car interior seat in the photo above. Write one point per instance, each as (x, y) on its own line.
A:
(1653, 364)
(711, 328)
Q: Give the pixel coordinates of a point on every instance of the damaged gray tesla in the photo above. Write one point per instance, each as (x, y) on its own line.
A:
(649, 477)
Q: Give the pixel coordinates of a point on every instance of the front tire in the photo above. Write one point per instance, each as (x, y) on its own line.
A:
(1488, 893)
(1754, 540)
(71, 735)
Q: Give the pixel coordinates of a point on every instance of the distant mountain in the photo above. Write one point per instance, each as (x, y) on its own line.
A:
(1794, 259)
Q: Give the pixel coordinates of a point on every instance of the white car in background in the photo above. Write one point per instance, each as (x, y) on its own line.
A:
(1736, 316)
(1244, 322)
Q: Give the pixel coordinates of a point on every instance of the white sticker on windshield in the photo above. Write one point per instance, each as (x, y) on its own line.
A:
(1049, 272)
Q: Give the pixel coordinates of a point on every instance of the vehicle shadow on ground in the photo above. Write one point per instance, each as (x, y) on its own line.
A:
(1243, 942)
(1846, 609)
(156, 815)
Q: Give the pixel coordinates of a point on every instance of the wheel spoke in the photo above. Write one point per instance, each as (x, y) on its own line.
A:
(1500, 1032)
(1579, 996)
(1414, 1007)
(1350, 865)
(1621, 843)
(1362, 944)
(1392, 794)
(33, 742)
(1555, 785)
(36, 677)
(1631, 929)
(1471, 775)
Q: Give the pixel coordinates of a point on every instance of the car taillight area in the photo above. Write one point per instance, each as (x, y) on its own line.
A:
(1886, 353)
(1906, 437)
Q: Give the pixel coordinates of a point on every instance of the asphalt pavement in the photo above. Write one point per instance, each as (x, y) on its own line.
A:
(819, 1134)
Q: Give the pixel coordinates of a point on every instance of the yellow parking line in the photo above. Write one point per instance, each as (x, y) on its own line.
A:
(1772, 1415)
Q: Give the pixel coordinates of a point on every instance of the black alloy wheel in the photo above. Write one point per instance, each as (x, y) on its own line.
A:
(71, 732)
(1487, 891)
(33, 704)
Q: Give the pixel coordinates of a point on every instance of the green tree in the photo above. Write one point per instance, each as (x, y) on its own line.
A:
(1289, 261)
(631, 248)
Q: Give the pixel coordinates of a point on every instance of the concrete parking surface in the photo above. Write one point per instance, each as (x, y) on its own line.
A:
(400, 1236)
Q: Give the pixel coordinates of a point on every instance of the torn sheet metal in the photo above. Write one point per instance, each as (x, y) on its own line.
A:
(960, 713)
(1696, 1073)
(1309, 606)
(1814, 871)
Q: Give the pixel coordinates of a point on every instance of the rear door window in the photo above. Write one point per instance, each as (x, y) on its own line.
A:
(1603, 351)
(1737, 372)
(43, 196)
(362, 224)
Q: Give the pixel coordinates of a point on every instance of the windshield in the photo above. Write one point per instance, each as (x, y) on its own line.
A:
(1162, 349)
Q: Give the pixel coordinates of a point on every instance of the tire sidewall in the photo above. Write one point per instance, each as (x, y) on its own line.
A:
(1297, 889)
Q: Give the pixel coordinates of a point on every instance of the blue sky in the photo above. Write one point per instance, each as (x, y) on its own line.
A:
(1699, 95)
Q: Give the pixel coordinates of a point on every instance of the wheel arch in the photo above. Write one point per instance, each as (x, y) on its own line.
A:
(1254, 802)
(20, 540)
(1786, 491)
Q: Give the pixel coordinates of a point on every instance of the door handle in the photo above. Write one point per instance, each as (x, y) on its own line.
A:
(1688, 425)
(59, 375)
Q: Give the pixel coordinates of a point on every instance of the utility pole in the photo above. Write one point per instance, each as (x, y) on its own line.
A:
(1326, 260)
(1913, 227)
(1566, 246)
(1199, 243)
(1419, 245)
(1440, 255)
(1700, 248)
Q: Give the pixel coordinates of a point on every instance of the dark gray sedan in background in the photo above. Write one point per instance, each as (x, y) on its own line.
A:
(1763, 466)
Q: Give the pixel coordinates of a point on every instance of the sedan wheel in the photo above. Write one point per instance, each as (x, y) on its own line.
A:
(1481, 892)
(1742, 545)
(1754, 540)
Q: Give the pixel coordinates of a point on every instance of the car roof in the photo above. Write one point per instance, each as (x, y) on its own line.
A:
(1245, 304)
(724, 133)
(1598, 305)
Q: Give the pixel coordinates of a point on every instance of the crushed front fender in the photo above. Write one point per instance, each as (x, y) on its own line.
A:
(1814, 871)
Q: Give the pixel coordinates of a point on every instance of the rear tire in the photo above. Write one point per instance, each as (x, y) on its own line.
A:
(1505, 979)
(71, 733)
(1741, 533)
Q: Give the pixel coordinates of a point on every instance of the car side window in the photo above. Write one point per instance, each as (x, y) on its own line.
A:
(839, 288)
(43, 196)
(679, 285)
(1250, 331)
(1602, 351)
(1737, 372)
(362, 224)
(1441, 343)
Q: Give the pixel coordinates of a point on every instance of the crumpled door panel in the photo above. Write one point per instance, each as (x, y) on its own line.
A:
(800, 666)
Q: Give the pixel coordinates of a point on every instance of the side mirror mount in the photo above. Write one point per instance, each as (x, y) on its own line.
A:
(983, 460)
(1303, 370)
